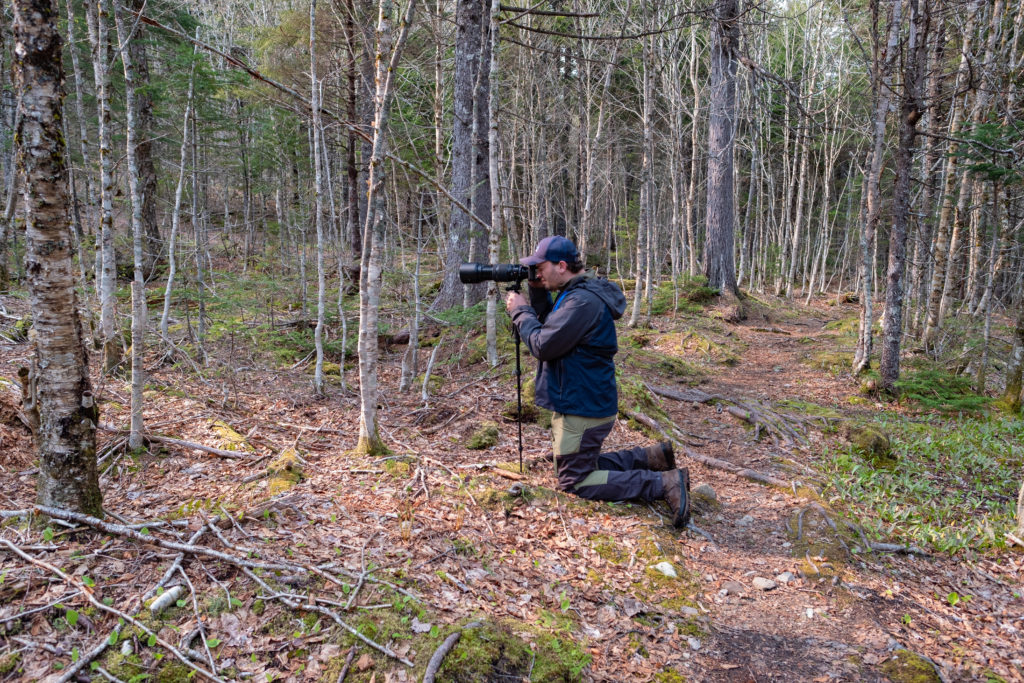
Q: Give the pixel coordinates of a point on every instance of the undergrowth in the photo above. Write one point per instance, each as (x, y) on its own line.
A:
(933, 388)
(953, 489)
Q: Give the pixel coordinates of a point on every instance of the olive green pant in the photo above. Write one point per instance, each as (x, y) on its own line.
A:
(585, 471)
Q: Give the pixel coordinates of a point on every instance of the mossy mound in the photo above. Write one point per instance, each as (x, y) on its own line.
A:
(531, 411)
(907, 667)
(229, 439)
(871, 443)
(285, 471)
(493, 652)
(485, 436)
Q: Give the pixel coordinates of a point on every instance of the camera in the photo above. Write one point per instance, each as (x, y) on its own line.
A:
(471, 273)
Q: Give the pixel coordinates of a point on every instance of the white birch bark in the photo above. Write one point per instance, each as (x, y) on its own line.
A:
(172, 260)
(139, 318)
(387, 54)
(59, 387)
(494, 234)
(99, 37)
(321, 278)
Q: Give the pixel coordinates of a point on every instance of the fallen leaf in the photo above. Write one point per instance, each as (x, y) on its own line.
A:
(364, 662)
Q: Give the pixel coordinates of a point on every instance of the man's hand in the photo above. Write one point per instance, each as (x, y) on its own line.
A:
(514, 300)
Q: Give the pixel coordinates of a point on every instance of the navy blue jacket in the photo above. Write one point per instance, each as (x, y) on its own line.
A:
(574, 340)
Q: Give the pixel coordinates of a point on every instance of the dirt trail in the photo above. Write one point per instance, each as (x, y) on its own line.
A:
(843, 616)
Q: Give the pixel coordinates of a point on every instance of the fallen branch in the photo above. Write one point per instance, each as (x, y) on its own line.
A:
(439, 654)
(98, 604)
(348, 663)
(443, 649)
(234, 455)
(311, 607)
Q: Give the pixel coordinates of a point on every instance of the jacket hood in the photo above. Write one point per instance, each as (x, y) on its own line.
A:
(606, 290)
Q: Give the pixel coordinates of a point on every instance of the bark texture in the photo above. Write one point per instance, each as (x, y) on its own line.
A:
(719, 260)
(912, 108)
(66, 437)
(468, 18)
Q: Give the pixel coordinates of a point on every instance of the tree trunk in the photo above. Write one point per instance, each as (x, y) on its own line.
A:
(99, 37)
(321, 278)
(719, 260)
(139, 318)
(172, 260)
(468, 17)
(386, 61)
(882, 90)
(152, 246)
(912, 107)
(66, 435)
(494, 185)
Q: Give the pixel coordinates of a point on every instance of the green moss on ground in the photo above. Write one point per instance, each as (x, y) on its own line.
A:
(908, 667)
(485, 436)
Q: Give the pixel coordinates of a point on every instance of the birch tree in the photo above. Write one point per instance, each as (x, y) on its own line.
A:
(99, 38)
(59, 389)
(387, 54)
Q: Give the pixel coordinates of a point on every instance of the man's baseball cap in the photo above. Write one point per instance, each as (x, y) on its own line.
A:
(555, 248)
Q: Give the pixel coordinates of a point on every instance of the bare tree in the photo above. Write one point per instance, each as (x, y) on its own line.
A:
(59, 386)
(881, 85)
(387, 54)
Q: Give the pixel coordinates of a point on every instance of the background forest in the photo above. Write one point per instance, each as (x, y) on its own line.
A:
(265, 205)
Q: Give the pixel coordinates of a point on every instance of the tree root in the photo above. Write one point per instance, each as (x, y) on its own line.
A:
(744, 472)
(790, 428)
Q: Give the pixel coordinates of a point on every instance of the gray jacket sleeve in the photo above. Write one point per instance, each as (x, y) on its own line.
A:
(563, 330)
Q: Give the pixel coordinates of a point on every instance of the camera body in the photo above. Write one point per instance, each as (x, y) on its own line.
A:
(471, 273)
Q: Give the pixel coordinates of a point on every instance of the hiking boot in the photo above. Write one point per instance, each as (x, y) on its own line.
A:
(677, 495)
(661, 457)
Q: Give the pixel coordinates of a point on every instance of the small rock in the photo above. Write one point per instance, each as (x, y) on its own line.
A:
(605, 614)
(420, 627)
(732, 588)
(745, 520)
(785, 577)
(477, 574)
(810, 613)
(694, 643)
(705, 491)
(667, 569)
(688, 611)
(764, 584)
(709, 577)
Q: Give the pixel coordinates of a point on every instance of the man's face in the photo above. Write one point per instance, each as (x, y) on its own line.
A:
(552, 275)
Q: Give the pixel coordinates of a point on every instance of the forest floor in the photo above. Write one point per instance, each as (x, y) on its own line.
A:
(770, 584)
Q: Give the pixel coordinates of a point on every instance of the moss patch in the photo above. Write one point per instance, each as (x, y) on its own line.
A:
(285, 471)
(229, 439)
(907, 667)
(485, 436)
(871, 443)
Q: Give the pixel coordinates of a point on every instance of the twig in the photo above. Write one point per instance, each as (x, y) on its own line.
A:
(77, 583)
(348, 663)
(89, 656)
(310, 607)
(439, 654)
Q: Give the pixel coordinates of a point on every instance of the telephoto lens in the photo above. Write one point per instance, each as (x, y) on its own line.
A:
(471, 273)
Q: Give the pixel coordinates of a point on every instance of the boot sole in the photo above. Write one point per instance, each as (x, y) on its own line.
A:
(682, 517)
